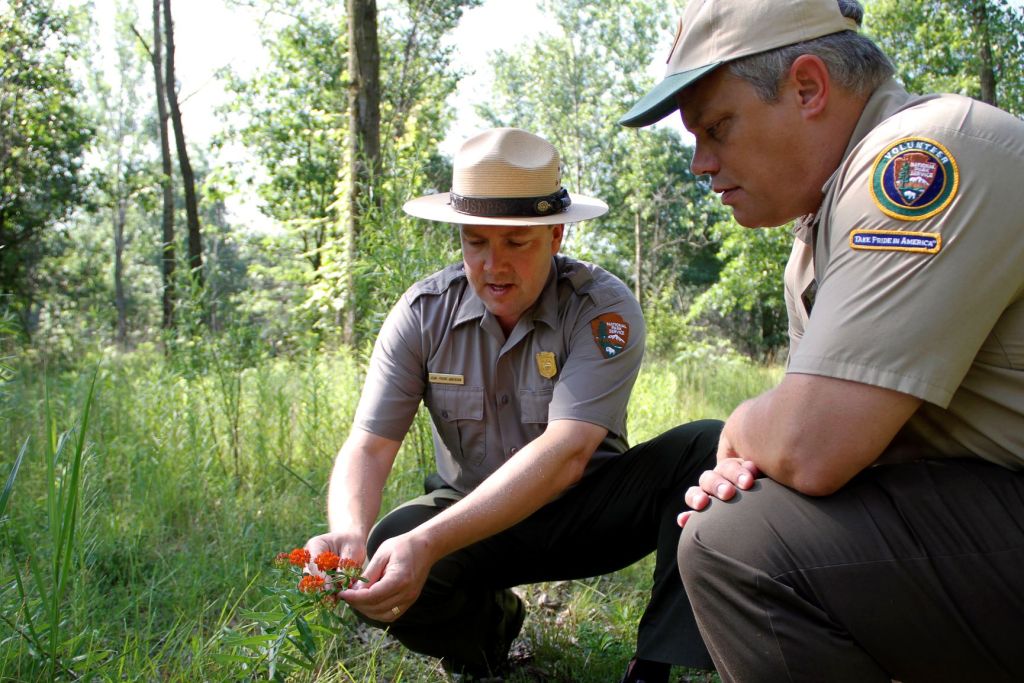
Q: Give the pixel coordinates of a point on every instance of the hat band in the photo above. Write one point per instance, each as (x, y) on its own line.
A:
(492, 207)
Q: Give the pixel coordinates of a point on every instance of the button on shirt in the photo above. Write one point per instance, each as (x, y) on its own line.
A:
(489, 396)
(942, 318)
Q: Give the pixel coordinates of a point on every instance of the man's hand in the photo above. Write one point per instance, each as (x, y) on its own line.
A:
(395, 577)
(343, 544)
(731, 473)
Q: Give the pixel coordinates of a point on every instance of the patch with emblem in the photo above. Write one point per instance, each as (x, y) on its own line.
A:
(546, 364)
(896, 240)
(914, 179)
(611, 333)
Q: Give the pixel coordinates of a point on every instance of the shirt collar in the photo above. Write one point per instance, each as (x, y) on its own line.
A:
(545, 309)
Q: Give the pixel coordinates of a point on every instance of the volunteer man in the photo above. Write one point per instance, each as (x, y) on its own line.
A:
(884, 538)
(525, 360)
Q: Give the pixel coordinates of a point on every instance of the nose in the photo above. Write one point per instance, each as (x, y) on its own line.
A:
(494, 259)
(703, 162)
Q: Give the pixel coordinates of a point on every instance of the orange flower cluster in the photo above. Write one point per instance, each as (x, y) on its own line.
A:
(339, 573)
(328, 561)
(311, 584)
(299, 557)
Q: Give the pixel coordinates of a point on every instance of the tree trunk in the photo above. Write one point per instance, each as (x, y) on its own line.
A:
(195, 246)
(167, 258)
(637, 257)
(364, 136)
(119, 299)
(986, 69)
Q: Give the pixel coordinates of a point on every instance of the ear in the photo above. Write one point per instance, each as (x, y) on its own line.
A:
(557, 231)
(812, 85)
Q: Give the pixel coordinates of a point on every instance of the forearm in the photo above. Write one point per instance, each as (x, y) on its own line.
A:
(356, 485)
(815, 433)
(537, 474)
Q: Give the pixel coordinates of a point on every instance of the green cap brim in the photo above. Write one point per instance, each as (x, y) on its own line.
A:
(661, 100)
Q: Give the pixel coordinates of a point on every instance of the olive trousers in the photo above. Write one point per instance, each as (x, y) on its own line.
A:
(613, 517)
(912, 572)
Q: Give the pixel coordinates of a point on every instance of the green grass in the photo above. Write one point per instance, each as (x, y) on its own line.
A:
(135, 545)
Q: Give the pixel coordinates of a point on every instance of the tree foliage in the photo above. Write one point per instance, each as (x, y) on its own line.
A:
(43, 135)
(571, 87)
(950, 46)
(79, 182)
(295, 122)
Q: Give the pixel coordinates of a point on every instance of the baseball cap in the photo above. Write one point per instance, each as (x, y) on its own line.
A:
(713, 32)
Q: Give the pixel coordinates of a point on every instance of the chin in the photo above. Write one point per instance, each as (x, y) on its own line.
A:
(755, 221)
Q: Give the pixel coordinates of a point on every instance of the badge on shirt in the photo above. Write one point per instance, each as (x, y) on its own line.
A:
(546, 364)
(611, 333)
(914, 179)
(444, 378)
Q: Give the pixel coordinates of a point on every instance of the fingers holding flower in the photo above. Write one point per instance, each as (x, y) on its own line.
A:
(323, 578)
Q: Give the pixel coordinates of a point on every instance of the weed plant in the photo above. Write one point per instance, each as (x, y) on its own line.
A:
(146, 497)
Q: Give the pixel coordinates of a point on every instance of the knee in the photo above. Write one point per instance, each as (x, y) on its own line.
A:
(743, 532)
(699, 435)
(395, 523)
(693, 444)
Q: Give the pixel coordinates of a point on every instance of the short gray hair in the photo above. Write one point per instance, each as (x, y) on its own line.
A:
(854, 62)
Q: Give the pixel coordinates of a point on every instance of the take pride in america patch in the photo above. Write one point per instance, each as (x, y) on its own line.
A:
(914, 179)
(896, 240)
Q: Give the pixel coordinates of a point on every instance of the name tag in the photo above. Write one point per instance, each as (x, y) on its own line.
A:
(442, 378)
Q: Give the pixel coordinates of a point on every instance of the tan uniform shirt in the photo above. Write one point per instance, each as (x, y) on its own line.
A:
(574, 355)
(917, 274)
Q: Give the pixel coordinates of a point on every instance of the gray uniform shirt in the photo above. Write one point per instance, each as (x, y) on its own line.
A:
(574, 355)
(911, 276)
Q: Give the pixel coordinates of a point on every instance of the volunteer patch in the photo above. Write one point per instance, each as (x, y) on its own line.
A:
(611, 333)
(896, 240)
(914, 178)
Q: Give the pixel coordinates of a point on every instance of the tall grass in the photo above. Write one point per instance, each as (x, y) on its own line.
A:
(144, 499)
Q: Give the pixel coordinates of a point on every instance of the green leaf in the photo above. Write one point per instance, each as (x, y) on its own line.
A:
(306, 637)
(12, 475)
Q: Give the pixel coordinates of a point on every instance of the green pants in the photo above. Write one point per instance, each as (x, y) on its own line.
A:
(609, 520)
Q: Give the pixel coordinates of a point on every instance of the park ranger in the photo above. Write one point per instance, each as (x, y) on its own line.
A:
(525, 360)
(886, 537)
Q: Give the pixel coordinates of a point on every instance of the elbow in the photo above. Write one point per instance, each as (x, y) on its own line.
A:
(816, 484)
(576, 466)
(812, 473)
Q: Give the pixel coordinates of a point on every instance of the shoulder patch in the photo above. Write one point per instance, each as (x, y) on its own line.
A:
(913, 179)
(896, 240)
(611, 334)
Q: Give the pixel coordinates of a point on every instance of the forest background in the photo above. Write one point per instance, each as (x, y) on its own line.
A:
(175, 380)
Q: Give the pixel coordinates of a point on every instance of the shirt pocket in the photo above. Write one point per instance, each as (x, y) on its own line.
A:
(533, 405)
(459, 417)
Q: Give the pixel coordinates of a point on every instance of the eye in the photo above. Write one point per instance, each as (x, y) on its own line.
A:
(516, 243)
(716, 130)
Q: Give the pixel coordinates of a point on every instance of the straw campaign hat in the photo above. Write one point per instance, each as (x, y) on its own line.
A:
(506, 176)
(713, 32)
